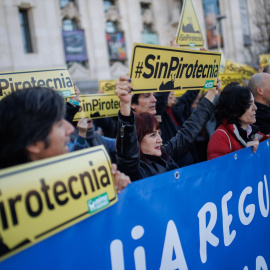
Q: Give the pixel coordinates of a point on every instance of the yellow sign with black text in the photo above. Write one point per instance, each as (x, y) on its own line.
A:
(41, 198)
(107, 86)
(225, 79)
(245, 70)
(98, 106)
(159, 68)
(55, 78)
(264, 60)
(189, 33)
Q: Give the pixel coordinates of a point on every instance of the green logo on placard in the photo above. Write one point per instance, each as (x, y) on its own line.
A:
(65, 93)
(98, 202)
(208, 84)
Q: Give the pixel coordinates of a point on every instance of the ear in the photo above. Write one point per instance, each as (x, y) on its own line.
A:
(260, 91)
(134, 106)
(35, 148)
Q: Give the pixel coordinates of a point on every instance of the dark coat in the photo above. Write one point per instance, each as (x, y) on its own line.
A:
(181, 111)
(128, 149)
(71, 110)
(263, 117)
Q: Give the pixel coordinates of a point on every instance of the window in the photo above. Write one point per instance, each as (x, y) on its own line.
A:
(107, 4)
(69, 25)
(148, 34)
(245, 24)
(27, 44)
(63, 3)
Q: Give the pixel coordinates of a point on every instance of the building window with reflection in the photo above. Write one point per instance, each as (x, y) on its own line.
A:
(63, 3)
(245, 22)
(148, 34)
(25, 30)
(69, 25)
(115, 38)
(211, 12)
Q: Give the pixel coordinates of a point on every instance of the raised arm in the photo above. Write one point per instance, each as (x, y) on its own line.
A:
(123, 91)
(127, 146)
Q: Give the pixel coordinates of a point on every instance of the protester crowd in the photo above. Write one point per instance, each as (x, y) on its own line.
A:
(153, 133)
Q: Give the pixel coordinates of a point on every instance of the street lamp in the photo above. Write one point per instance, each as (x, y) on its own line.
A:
(218, 19)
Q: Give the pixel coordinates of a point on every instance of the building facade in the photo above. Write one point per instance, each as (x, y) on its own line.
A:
(94, 38)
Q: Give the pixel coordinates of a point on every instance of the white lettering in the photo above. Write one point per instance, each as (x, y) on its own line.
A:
(172, 242)
(117, 255)
(206, 231)
(139, 253)
(264, 210)
(227, 220)
(250, 209)
(261, 263)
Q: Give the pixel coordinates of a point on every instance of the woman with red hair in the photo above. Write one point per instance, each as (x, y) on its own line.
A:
(139, 148)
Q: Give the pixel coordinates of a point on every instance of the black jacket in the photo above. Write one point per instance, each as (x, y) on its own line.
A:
(181, 111)
(71, 111)
(128, 149)
(263, 118)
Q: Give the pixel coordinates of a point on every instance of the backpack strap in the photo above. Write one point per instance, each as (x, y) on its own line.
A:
(227, 136)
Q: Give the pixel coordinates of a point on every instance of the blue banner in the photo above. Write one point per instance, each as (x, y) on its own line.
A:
(211, 215)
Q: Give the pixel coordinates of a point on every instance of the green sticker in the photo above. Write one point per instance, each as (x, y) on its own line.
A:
(209, 84)
(98, 202)
(66, 93)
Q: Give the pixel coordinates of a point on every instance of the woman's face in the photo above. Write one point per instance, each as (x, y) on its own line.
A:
(249, 117)
(151, 143)
(171, 99)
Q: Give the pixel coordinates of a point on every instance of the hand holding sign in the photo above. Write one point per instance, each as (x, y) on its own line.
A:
(120, 179)
(123, 89)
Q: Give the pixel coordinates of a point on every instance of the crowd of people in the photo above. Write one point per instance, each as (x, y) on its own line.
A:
(153, 133)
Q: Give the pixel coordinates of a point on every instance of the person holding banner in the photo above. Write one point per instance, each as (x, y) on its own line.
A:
(33, 128)
(139, 149)
(236, 111)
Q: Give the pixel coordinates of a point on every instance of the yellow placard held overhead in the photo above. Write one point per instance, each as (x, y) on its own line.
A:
(41, 198)
(159, 68)
(98, 106)
(55, 78)
(245, 70)
(189, 33)
(229, 78)
(264, 60)
(106, 86)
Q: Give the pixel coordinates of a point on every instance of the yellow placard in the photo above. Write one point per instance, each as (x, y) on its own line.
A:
(228, 78)
(159, 68)
(264, 60)
(107, 86)
(41, 198)
(98, 106)
(189, 33)
(245, 70)
(179, 93)
(55, 78)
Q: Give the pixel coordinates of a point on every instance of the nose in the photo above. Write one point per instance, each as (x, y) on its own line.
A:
(153, 99)
(159, 138)
(69, 129)
(254, 108)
